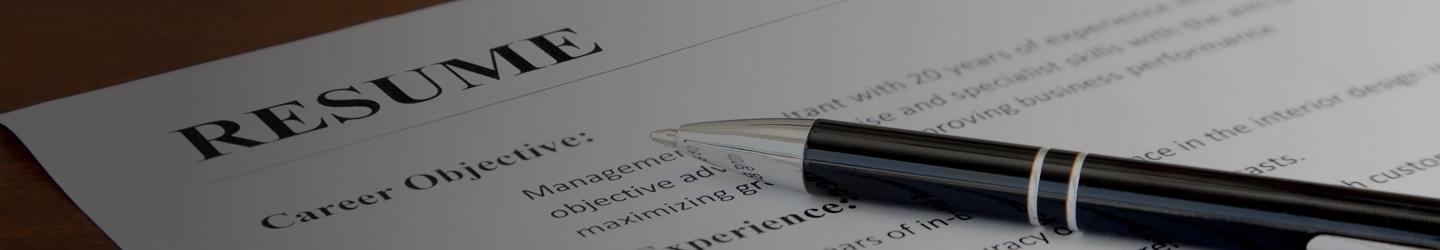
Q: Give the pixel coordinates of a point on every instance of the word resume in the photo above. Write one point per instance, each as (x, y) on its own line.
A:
(525, 124)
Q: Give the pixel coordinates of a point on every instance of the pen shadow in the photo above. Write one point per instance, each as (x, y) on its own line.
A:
(1158, 231)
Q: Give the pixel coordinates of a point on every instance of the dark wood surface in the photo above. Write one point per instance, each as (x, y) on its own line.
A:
(56, 48)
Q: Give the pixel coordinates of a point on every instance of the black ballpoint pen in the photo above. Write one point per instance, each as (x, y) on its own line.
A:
(1088, 191)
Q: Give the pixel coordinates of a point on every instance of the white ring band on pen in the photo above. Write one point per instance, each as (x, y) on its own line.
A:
(1032, 195)
(1070, 192)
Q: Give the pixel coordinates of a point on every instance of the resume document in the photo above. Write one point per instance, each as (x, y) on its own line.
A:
(524, 124)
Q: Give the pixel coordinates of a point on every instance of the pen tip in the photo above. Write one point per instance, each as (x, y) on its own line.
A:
(664, 136)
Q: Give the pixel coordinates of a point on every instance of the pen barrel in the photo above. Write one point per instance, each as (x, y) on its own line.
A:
(994, 178)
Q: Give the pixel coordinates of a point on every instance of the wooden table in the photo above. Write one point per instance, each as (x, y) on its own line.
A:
(56, 48)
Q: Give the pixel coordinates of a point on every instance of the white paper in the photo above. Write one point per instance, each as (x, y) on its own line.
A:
(116, 151)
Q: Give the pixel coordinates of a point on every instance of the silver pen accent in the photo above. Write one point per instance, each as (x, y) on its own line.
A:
(771, 150)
